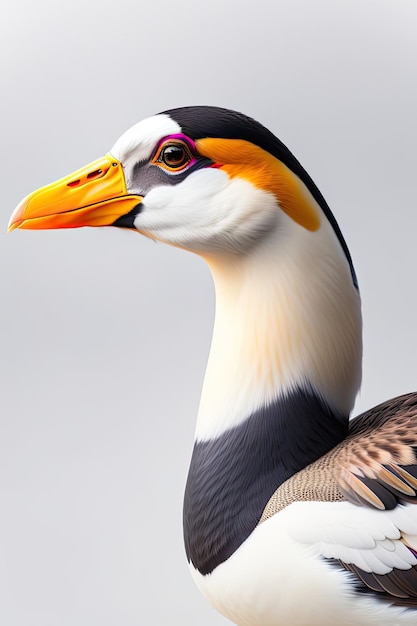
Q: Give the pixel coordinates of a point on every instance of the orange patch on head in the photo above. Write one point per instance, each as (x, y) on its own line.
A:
(240, 158)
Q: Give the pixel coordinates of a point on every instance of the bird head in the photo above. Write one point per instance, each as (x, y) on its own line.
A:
(202, 178)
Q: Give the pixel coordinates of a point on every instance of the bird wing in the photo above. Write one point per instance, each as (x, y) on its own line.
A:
(378, 547)
(376, 464)
(362, 501)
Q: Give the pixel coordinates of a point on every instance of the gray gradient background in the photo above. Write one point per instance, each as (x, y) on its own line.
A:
(104, 334)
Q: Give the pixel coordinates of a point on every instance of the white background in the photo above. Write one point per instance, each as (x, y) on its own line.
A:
(104, 334)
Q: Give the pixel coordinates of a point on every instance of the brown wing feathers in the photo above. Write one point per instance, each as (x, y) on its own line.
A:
(376, 464)
(398, 587)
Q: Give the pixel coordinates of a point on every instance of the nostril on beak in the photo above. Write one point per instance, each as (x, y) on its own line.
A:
(90, 176)
(94, 174)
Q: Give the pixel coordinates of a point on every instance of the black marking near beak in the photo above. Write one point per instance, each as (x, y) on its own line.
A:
(127, 221)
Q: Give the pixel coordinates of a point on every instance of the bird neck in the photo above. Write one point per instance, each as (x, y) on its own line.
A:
(282, 375)
(287, 317)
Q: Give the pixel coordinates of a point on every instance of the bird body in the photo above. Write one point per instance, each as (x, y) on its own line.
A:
(311, 516)
(276, 578)
(292, 514)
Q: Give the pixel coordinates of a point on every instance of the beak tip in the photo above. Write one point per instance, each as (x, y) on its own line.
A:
(17, 216)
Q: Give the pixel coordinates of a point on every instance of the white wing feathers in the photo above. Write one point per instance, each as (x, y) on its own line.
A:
(375, 541)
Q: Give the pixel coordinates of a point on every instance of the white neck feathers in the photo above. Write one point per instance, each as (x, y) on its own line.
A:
(287, 316)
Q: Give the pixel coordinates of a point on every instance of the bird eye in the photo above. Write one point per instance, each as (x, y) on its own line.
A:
(173, 156)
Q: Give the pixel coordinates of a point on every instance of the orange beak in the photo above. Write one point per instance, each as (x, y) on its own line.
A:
(95, 195)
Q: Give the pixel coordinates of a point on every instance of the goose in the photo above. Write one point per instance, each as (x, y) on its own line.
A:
(293, 512)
